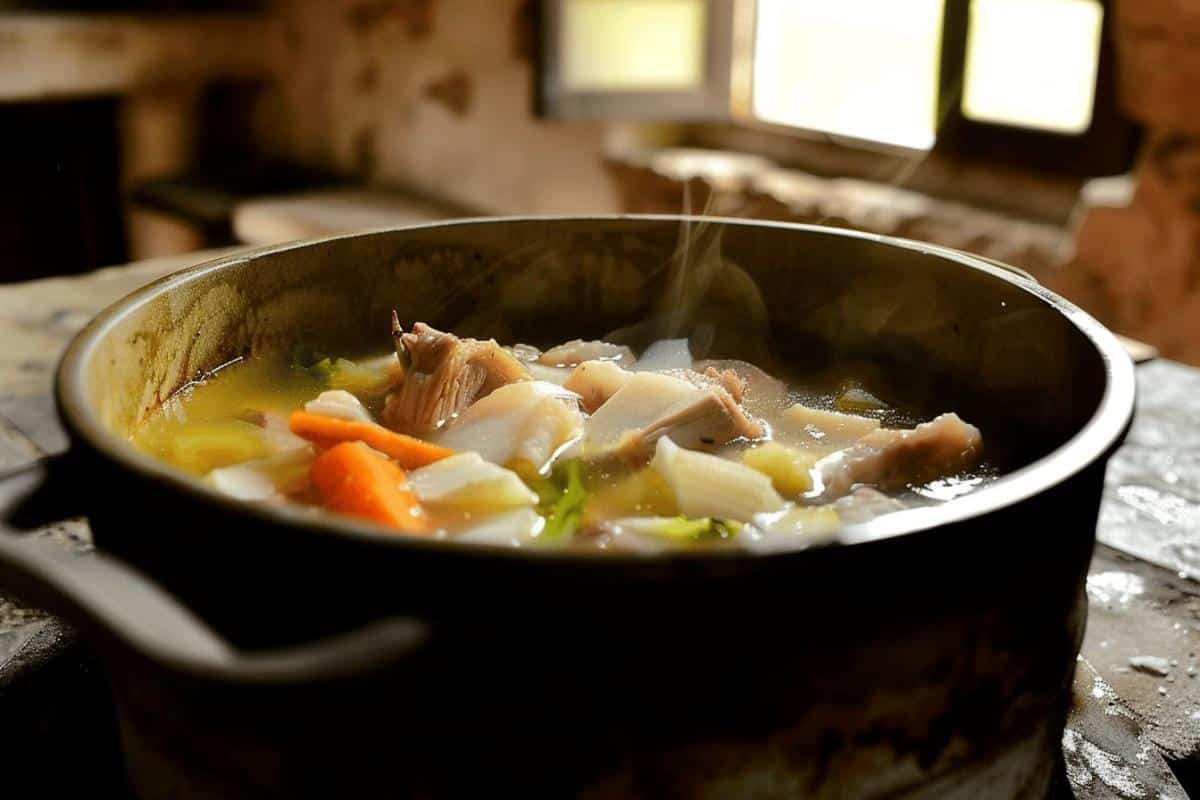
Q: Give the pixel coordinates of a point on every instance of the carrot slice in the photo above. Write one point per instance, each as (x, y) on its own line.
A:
(323, 431)
(355, 480)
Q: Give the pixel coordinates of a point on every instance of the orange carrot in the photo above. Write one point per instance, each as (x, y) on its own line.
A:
(323, 431)
(355, 480)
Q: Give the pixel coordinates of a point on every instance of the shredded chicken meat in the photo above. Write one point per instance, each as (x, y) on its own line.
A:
(710, 419)
(443, 375)
(894, 459)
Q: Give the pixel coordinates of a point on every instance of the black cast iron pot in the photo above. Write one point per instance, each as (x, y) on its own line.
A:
(930, 656)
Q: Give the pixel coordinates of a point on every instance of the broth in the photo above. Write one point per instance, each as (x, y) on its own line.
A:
(583, 445)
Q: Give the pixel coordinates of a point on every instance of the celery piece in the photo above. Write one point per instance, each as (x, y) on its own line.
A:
(322, 370)
(564, 515)
(356, 378)
(682, 529)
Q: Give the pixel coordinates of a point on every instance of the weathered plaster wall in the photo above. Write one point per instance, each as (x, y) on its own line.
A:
(431, 94)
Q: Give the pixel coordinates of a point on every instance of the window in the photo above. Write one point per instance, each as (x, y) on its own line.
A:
(1018, 80)
(866, 69)
(1033, 63)
(633, 44)
(635, 59)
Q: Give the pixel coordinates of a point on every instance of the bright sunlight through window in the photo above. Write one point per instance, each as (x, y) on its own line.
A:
(861, 68)
(1032, 63)
(633, 44)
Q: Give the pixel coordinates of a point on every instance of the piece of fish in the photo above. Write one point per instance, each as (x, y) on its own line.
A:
(444, 375)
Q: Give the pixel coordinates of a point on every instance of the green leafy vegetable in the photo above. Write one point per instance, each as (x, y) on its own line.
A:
(563, 518)
(561, 496)
(684, 529)
(322, 370)
(340, 373)
(304, 356)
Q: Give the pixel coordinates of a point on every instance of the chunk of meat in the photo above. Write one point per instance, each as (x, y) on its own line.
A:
(762, 395)
(696, 411)
(893, 459)
(709, 420)
(595, 382)
(726, 379)
(579, 351)
(443, 375)
(822, 430)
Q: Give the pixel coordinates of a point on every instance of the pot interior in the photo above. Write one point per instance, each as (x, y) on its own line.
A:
(941, 335)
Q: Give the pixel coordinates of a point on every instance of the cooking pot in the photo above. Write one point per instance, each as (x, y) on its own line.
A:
(929, 655)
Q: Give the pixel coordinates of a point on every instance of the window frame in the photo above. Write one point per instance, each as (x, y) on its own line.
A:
(1107, 147)
(710, 101)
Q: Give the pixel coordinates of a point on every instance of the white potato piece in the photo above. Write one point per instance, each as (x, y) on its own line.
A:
(529, 420)
(467, 482)
(264, 478)
(556, 375)
(513, 528)
(665, 354)
(279, 436)
(578, 351)
(339, 404)
(822, 428)
(596, 381)
(643, 399)
(710, 486)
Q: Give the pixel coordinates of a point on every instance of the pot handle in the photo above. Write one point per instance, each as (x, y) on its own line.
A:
(119, 608)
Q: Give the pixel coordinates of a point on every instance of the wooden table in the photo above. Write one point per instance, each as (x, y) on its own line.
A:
(1129, 717)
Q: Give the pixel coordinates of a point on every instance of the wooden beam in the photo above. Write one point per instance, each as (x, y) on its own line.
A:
(45, 56)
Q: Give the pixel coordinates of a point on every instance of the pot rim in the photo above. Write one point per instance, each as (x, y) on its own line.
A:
(1094, 441)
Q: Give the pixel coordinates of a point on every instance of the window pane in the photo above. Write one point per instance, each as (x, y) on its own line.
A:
(633, 44)
(1032, 63)
(861, 68)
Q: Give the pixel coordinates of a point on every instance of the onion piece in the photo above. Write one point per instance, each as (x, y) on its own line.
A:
(644, 398)
(514, 528)
(710, 486)
(339, 404)
(530, 421)
(264, 478)
(465, 481)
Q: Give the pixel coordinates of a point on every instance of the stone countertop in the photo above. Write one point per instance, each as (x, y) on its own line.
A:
(1137, 691)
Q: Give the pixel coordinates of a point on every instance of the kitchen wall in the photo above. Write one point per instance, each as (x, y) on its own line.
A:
(433, 95)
